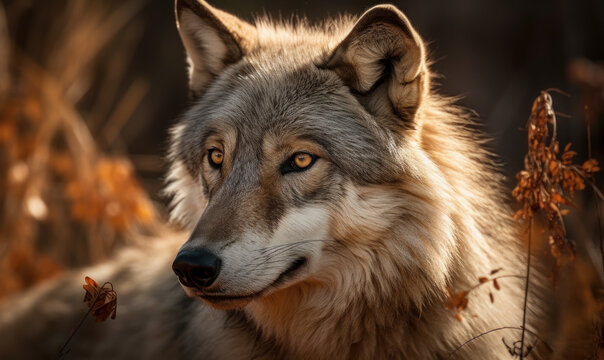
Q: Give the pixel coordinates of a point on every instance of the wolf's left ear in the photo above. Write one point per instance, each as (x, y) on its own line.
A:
(213, 40)
(383, 53)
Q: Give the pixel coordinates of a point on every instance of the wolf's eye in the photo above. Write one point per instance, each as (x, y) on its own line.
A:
(215, 158)
(300, 161)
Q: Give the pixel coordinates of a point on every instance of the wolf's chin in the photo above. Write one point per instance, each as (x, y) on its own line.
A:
(227, 304)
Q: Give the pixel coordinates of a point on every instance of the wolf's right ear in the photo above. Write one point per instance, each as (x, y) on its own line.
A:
(383, 57)
(212, 38)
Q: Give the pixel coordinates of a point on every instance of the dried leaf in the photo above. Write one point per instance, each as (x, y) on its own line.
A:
(458, 316)
(101, 300)
(590, 166)
(495, 271)
(496, 284)
(456, 300)
(549, 180)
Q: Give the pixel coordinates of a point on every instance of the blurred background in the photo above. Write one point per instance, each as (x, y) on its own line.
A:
(89, 88)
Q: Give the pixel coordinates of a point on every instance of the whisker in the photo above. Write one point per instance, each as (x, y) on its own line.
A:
(269, 248)
(271, 252)
(278, 249)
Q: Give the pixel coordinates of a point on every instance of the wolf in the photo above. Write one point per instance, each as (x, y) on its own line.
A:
(330, 197)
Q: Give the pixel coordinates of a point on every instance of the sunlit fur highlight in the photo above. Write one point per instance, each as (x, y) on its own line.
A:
(392, 251)
(398, 247)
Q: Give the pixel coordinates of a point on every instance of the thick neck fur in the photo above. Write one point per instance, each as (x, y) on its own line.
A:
(383, 295)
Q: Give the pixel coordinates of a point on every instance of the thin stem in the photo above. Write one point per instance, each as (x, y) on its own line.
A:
(75, 330)
(587, 124)
(587, 180)
(499, 329)
(91, 307)
(597, 201)
(526, 287)
(588, 127)
(496, 278)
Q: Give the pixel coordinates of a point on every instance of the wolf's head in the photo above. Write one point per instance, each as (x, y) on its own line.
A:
(301, 154)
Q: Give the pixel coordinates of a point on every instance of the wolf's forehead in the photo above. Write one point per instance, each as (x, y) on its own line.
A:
(292, 100)
(261, 97)
(267, 93)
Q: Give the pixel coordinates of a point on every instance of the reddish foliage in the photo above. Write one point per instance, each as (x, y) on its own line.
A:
(548, 180)
(24, 266)
(458, 300)
(111, 194)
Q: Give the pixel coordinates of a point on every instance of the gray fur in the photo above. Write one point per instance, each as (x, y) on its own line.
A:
(401, 203)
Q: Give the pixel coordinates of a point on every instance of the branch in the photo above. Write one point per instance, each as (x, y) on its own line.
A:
(526, 287)
(549, 348)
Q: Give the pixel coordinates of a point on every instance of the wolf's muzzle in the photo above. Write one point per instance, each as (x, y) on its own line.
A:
(196, 267)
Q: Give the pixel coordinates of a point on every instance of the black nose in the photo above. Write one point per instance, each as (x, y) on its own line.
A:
(196, 267)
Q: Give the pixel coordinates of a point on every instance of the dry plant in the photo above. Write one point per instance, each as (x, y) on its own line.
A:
(548, 181)
(102, 303)
(545, 186)
(458, 300)
(63, 202)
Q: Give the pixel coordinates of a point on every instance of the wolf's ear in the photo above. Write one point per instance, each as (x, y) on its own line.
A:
(383, 54)
(212, 38)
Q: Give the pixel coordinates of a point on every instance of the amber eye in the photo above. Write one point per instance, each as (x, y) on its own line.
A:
(302, 160)
(215, 158)
(298, 162)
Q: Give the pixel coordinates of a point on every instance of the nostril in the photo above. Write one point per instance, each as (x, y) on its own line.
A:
(202, 273)
(179, 270)
(206, 272)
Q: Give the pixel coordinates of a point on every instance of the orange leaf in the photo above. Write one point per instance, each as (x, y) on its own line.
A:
(591, 166)
(496, 284)
(101, 300)
(495, 271)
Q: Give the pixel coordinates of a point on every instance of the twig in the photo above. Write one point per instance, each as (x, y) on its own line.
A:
(549, 348)
(526, 287)
(556, 90)
(597, 191)
(496, 278)
(75, 330)
(62, 352)
(594, 187)
(123, 112)
(597, 201)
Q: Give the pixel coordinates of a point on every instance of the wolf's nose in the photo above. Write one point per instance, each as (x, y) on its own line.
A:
(196, 267)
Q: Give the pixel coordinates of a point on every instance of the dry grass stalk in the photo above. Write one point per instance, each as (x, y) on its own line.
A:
(64, 203)
(549, 180)
(546, 185)
(102, 303)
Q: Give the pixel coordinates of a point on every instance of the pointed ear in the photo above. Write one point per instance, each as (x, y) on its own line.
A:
(212, 38)
(381, 55)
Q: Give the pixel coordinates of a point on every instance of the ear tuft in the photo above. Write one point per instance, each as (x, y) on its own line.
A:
(383, 48)
(213, 39)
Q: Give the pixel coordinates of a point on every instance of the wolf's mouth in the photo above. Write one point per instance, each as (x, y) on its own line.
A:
(287, 274)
